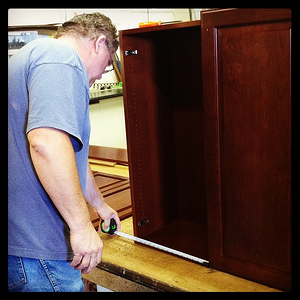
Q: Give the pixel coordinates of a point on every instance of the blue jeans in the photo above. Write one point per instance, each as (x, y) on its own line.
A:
(39, 275)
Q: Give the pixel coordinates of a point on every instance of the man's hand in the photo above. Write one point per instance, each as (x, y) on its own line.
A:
(87, 247)
(106, 213)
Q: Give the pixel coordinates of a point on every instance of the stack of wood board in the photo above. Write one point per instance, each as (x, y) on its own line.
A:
(110, 169)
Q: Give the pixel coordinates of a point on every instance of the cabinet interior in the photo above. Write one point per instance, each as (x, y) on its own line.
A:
(169, 75)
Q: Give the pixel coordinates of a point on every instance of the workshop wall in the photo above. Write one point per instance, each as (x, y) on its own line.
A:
(108, 123)
(122, 18)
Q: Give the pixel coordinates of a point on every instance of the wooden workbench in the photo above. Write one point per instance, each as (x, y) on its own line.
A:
(130, 267)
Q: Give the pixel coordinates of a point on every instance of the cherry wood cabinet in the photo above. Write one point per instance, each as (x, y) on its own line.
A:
(162, 88)
(208, 123)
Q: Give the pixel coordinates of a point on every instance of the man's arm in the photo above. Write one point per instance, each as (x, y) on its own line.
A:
(95, 199)
(54, 161)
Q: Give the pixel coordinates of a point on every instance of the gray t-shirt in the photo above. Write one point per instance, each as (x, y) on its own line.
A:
(47, 87)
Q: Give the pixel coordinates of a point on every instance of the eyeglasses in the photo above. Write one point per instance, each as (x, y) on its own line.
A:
(110, 67)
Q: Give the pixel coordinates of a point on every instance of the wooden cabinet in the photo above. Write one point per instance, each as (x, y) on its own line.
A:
(208, 120)
(164, 121)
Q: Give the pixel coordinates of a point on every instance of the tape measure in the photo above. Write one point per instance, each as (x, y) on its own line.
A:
(112, 229)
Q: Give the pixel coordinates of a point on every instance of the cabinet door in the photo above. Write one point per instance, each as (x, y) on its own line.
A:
(246, 56)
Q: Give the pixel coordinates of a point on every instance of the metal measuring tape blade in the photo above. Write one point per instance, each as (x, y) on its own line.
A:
(112, 229)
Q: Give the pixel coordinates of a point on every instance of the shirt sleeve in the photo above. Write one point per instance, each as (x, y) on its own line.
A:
(57, 99)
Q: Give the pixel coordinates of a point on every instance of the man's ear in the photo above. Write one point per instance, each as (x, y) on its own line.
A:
(100, 42)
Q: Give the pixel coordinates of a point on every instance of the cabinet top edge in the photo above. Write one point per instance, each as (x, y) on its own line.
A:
(161, 27)
(261, 10)
(223, 17)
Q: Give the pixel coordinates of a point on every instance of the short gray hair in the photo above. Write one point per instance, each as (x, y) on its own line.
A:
(92, 26)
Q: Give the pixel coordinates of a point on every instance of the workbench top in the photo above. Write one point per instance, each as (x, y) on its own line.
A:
(129, 266)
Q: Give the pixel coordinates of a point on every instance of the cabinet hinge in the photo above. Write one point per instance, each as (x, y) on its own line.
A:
(142, 222)
(130, 52)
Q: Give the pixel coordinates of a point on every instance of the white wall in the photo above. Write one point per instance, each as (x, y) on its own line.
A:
(108, 123)
(107, 116)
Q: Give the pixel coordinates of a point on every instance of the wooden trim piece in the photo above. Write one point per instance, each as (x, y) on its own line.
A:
(108, 153)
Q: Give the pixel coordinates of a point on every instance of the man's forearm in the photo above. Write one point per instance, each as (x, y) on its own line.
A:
(54, 161)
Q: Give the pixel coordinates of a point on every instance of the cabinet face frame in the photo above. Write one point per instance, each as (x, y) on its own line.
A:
(222, 29)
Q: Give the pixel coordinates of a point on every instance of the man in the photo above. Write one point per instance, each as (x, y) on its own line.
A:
(51, 240)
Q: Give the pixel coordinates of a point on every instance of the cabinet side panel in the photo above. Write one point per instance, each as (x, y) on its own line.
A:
(136, 114)
(150, 130)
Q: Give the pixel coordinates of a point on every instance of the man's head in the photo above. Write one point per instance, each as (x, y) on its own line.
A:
(95, 39)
